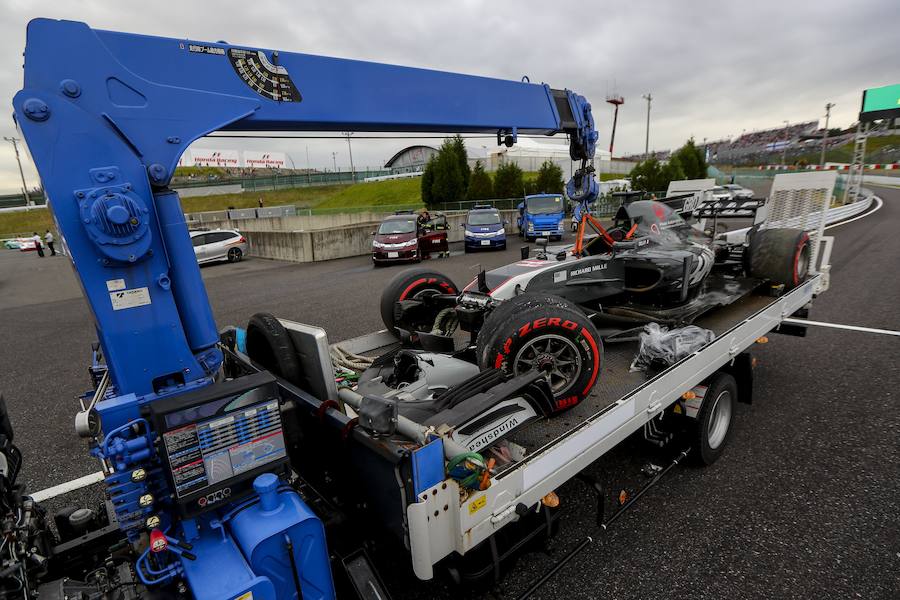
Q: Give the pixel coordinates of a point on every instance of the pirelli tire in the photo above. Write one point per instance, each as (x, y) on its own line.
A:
(412, 284)
(779, 255)
(545, 332)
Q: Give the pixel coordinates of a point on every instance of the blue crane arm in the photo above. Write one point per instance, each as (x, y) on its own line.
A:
(107, 115)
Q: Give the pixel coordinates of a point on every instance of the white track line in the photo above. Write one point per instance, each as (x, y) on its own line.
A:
(68, 486)
(838, 326)
(866, 214)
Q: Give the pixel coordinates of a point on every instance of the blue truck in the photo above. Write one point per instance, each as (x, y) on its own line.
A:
(485, 229)
(541, 215)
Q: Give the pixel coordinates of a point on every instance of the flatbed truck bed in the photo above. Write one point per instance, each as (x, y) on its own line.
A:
(557, 448)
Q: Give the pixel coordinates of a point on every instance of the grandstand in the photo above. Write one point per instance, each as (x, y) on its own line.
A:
(794, 142)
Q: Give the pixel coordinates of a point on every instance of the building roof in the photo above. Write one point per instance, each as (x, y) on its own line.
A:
(394, 158)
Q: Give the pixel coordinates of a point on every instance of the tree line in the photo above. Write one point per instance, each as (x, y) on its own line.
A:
(448, 178)
(651, 175)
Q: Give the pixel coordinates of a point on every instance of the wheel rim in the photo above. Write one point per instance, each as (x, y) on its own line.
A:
(556, 356)
(802, 263)
(422, 325)
(719, 420)
(234, 254)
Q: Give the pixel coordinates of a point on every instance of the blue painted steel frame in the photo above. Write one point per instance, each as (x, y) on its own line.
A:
(107, 115)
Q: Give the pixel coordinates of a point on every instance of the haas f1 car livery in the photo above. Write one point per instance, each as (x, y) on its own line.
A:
(552, 312)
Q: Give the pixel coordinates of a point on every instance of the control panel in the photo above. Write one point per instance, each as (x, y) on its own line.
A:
(215, 441)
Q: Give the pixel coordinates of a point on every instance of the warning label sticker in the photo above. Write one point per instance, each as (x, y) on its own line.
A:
(477, 505)
(132, 298)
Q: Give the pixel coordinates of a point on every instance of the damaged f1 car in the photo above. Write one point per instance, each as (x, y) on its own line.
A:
(552, 312)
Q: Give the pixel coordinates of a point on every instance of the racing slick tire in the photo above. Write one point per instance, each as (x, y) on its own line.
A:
(546, 332)
(779, 255)
(409, 285)
(711, 430)
(269, 345)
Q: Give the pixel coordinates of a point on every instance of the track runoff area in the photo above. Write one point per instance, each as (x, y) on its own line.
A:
(859, 326)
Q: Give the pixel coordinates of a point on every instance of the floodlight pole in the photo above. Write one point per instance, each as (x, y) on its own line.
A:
(616, 101)
(350, 148)
(784, 147)
(828, 108)
(649, 98)
(13, 140)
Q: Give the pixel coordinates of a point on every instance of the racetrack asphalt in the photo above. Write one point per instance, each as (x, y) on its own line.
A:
(805, 502)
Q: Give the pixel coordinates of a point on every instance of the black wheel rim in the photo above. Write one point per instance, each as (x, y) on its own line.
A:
(555, 355)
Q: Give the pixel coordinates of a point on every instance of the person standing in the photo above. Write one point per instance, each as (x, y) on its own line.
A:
(38, 245)
(48, 238)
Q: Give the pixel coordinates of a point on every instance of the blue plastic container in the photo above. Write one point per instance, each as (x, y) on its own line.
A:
(275, 528)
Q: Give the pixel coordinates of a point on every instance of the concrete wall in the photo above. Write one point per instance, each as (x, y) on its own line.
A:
(209, 190)
(300, 222)
(330, 243)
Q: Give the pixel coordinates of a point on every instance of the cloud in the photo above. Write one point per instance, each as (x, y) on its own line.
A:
(714, 68)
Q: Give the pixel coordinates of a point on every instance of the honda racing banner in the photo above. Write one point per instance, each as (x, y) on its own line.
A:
(215, 158)
(264, 160)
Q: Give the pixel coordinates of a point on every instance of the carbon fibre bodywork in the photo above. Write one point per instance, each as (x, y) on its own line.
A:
(657, 268)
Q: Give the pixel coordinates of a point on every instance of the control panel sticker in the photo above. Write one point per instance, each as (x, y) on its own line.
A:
(204, 49)
(269, 80)
(114, 285)
(132, 298)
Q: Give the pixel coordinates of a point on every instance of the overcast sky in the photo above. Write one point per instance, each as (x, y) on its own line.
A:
(714, 68)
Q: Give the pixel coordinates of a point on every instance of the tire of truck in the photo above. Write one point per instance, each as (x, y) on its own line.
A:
(779, 255)
(543, 331)
(712, 429)
(269, 345)
(410, 285)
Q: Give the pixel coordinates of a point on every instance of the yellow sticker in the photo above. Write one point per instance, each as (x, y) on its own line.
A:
(247, 596)
(477, 504)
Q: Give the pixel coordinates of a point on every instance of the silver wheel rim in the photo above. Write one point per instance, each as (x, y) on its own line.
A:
(234, 253)
(555, 355)
(719, 421)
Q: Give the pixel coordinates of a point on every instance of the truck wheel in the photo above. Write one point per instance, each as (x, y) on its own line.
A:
(546, 332)
(713, 425)
(780, 256)
(269, 345)
(413, 284)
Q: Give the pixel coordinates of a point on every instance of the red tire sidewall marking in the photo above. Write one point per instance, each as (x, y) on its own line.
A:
(596, 352)
(804, 240)
(426, 281)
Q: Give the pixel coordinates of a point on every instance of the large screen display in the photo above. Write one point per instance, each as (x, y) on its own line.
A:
(881, 103)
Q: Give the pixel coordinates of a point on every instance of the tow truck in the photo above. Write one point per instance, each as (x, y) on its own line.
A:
(233, 465)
